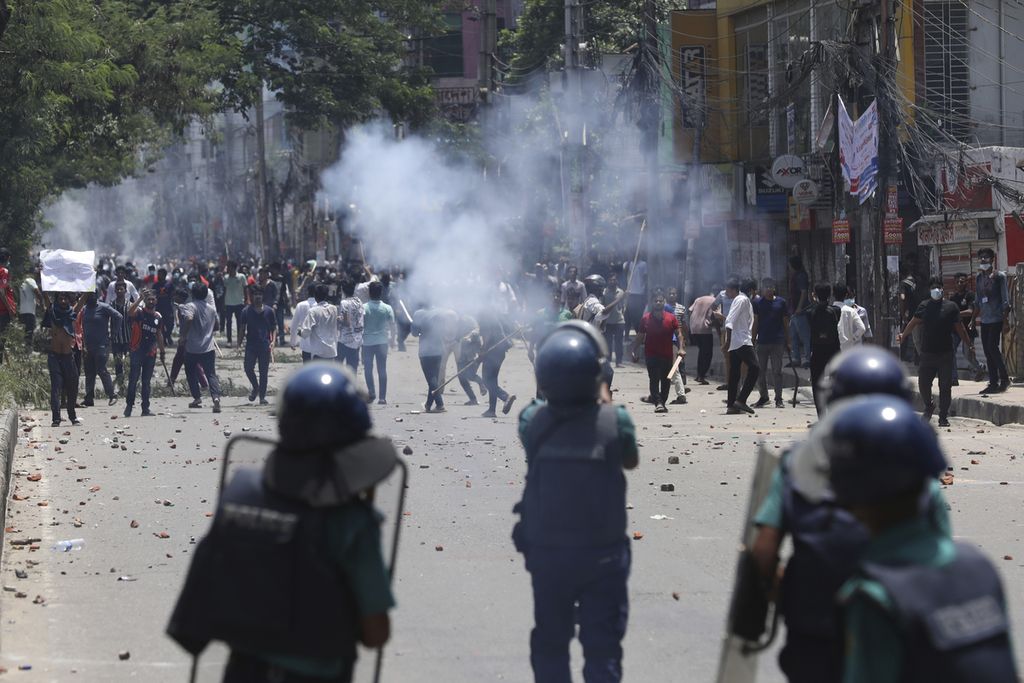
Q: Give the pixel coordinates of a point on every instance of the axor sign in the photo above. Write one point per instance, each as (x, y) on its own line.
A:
(788, 170)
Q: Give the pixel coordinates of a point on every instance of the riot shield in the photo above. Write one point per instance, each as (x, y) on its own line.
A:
(749, 607)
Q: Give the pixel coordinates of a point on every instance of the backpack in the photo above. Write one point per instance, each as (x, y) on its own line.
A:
(825, 327)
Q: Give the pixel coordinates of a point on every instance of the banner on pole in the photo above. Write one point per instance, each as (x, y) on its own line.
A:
(840, 231)
(68, 271)
(858, 150)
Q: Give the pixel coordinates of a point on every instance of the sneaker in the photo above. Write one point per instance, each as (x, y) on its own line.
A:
(382, 402)
(146, 413)
(929, 410)
(661, 408)
(646, 399)
(55, 423)
(761, 402)
(943, 422)
(112, 400)
(216, 405)
(87, 404)
(722, 387)
(439, 409)
(472, 402)
(733, 411)
(264, 402)
(196, 404)
(508, 404)
(127, 411)
(76, 422)
(371, 398)
(744, 407)
(252, 395)
(701, 380)
(779, 403)
(489, 413)
(990, 389)
(679, 400)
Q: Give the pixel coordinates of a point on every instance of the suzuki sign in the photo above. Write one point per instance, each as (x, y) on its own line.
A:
(788, 170)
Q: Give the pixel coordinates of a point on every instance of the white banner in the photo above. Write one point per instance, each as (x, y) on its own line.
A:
(858, 150)
(68, 271)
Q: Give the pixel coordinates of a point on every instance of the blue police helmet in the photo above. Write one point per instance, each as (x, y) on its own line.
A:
(569, 363)
(878, 448)
(321, 409)
(864, 370)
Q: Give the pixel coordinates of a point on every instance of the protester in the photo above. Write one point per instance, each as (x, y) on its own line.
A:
(198, 323)
(851, 326)
(29, 297)
(468, 358)
(615, 324)
(657, 327)
(378, 330)
(256, 329)
(234, 299)
(573, 286)
(60, 362)
(145, 340)
(702, 324)
(824, 319)
(427, 324)
(771, 330)
(739, 326)
(350, 322)
(800, 306)
(992, 304)
(678, 380)
(97, 319)
(964, 299)
(495, 340)
(299, 315)
(120, 278)
(164, 290)
(119, 329)
(7, 306)
(721, 308)
(940, 319)
(320, 326)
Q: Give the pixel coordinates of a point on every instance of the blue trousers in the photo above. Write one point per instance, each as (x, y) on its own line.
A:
(254, 354)
(800, 333)
(141, 368)
(376, 353)
(585, 586)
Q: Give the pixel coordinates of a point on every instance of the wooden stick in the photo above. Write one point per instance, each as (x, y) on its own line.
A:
(459, 371)
(675, 367)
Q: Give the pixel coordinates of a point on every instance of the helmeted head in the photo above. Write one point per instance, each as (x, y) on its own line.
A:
(569, 364)
(595, 284)
(878, 450)
(863, 370)
(321, 410)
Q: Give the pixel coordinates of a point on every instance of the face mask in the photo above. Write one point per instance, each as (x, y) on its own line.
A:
(985, 266)
(848, 302)
(936, 294)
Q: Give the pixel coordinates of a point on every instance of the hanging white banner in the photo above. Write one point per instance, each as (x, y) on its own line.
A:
(858, 150)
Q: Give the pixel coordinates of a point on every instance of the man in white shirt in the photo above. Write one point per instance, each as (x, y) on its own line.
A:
(573, 284)
(28, 297)
(739, 325)
(320, 326)
(851, 327)
(298, 315)
(131, 293)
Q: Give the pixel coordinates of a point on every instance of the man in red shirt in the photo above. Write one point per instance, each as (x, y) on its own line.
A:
(7, 306)
(657, 327)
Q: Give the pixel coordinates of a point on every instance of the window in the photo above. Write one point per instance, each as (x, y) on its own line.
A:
(443, 53)
(947, 77)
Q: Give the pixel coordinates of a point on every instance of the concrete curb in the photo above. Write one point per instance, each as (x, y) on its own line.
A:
(8, 440)
(998, 414)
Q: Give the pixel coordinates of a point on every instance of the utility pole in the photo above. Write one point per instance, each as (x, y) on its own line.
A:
(573, 137)
(262, 199)
(488, 46)
(650, 122)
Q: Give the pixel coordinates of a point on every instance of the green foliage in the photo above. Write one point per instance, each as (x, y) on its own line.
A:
(331, 62)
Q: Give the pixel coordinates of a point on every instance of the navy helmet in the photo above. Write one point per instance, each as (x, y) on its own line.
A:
(322, 410)
(863, 370)
(570, 362)
(878, 449)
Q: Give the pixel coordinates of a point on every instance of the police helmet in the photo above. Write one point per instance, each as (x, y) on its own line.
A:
(595, 284)
(878, 449)
(321, 409)
(863, 370)
(569, 363)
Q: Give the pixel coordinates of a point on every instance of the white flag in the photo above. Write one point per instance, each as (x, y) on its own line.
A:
(68, 271)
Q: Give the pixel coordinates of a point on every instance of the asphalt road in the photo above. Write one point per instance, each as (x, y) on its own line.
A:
(465, 606)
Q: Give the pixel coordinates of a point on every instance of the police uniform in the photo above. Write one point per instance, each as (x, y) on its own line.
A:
(923, 608)
(573, 534)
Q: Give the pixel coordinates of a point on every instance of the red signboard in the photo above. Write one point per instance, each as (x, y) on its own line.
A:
(893, 230)
(892, 202)
(840, 231)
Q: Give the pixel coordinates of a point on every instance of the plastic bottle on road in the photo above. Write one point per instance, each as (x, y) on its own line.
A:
(69, 545)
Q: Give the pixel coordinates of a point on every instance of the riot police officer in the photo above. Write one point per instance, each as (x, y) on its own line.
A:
(920, 606)
(573, 526)
(827, 540)
(291, 575)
